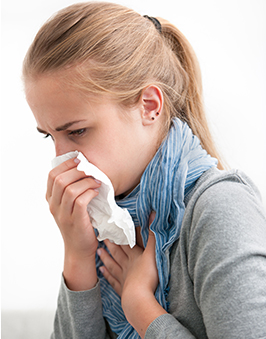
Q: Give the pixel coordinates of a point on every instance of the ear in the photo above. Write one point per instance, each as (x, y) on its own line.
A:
(152, 103)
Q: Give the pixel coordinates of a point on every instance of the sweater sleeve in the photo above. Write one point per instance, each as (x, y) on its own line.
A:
(79, 314)
(227, 259)
(166, 326)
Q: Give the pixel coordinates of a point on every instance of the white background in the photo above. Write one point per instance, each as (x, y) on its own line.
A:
(229, 38)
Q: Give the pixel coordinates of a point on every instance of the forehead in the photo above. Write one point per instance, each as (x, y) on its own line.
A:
(57, 87)
(53, 102)
(46, 89)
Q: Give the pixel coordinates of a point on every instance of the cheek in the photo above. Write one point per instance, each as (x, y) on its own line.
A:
(110, 152)
(99, 157)
(104, 149)
(110, 163)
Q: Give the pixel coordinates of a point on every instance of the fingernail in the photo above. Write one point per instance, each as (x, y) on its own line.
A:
(97, 181)
(76, 160)
(99, 252)
(102, 269)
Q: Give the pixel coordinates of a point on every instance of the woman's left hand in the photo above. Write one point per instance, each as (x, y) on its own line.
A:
(133, 275)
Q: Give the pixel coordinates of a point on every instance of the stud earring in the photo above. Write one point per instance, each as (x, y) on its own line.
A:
(156, 115)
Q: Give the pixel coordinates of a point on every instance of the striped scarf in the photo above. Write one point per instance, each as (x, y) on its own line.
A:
(171, 174)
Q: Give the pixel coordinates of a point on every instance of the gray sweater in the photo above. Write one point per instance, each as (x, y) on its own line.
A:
(218, 271)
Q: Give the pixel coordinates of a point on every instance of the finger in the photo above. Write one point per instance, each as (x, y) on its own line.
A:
(132, 252)
(151, 239)
(117, 252)
(61, 182)
(113, 267)
(80, 206)
(112, 281)
(150, 243)
(64, 167)
(152, 217)
(75, 190)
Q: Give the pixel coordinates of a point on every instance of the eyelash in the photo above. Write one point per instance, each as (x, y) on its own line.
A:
(47, 136)
(77, 132)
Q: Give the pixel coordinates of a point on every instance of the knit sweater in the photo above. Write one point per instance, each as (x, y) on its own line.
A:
(218, 271)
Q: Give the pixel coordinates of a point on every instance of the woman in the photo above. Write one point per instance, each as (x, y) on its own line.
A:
(125, 91)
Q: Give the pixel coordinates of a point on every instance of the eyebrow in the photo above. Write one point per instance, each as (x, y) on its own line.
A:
(61, 128)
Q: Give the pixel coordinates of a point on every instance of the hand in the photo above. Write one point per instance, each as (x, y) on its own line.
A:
(127, 267)
(134, 276)
(68, 193)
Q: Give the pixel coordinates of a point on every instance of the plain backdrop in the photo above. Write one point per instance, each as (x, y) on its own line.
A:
(229, 38)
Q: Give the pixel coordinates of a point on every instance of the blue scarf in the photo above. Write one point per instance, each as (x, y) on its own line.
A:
(168, 178)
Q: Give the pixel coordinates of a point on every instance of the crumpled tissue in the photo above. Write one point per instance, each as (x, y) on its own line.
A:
(111, 221)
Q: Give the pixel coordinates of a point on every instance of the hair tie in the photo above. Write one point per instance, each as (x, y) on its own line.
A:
(155, 21)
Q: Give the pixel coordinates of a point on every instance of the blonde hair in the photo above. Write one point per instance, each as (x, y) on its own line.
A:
(114, 50)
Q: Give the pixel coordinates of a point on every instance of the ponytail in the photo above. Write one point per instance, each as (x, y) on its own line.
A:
(192, 108)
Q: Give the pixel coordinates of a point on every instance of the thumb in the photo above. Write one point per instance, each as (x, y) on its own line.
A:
(151, 240)
(152, 217)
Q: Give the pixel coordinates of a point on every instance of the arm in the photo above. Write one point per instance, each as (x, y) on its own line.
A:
(222, 252)
(167, 327)
(79, 312)
(227, 260)
(68, 193)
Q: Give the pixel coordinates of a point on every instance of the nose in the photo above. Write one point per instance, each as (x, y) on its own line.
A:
(62, 147)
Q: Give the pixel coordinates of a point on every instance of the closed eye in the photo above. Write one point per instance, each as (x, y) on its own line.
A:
(46, 135)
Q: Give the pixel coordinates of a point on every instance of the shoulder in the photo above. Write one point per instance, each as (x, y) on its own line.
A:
(224, 216)
(225, 193)
(226, 182)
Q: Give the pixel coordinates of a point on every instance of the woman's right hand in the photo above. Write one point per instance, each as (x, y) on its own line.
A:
(68, 193)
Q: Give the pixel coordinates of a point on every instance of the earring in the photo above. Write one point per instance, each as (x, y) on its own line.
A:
(152, 118)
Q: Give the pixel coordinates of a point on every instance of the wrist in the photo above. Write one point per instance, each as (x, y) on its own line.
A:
(141, 310)
(79, 272)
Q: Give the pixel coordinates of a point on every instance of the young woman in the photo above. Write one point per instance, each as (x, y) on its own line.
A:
(125, 90)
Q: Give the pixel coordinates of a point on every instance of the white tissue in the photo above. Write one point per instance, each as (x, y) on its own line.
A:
(111, 221)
